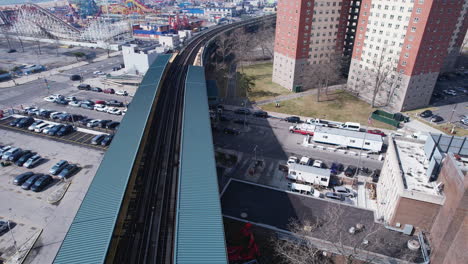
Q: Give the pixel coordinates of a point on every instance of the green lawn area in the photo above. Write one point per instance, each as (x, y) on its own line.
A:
(264, 87)
(337, 106)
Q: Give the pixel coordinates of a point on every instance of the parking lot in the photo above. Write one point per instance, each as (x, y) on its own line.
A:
(30, 210)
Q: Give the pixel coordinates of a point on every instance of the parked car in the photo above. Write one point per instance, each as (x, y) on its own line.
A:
(109, 91)
(33, 125)
(436, 119)
(15, 156)
(75, 77)
(88, 102)
(61, 101)
(427, 113)
(41, 183)
(336, 168)
(98, 139)
(30, 110)
(45, 113)
(20, 179)
(65, 130)
(114, 103)
(11, 51)
(75, 103)
(345, 192)
(107, 140)
(46, 129)
(58, 167)
(242, 111)
(334, 196)
(68, 171)
(11, 151)
(231, 131)
(87, 106)
(350, 171)
(101, 108)
(112, 125)
(70, 98)
(3, 150)
(93, 123)
(30, 181)
(96, 89)
(14, 122)
(292, 160)
(376, 132)
(32, 161)
(317, 164)
(55, 115)
(25, 122)
(103, 123)
(101, 102)
(84, 121)
(98, 73)
(293, 119)
(260, 114)
(84, 87)
(121, 92)
(24, 157)
(53, 131)
(464, 121)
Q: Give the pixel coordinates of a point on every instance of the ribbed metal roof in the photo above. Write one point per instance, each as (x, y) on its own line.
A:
(89, 236)
(199, 227)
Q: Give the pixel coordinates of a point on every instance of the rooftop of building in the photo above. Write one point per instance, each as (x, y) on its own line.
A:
(414, 164)
(348, 133)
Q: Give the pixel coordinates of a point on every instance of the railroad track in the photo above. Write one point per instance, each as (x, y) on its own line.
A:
(150, 222)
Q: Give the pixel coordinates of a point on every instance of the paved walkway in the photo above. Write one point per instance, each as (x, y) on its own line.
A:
(46, 74)
(297, 95)
(419, 126)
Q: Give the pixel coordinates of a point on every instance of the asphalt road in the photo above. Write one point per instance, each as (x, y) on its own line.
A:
(271, 138)
(29, 93)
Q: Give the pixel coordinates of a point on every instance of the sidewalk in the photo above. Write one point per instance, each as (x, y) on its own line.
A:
(297, 95)
(46, 74)
(419, 126)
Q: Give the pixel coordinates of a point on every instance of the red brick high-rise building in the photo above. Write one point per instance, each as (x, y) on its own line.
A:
(309, 32)
(401, 47)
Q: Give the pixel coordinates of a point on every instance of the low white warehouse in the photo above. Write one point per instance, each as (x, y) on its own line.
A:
(348, 138)
(309, 174)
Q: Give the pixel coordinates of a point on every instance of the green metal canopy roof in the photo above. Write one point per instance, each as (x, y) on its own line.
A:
(199, 226)
(90, 233)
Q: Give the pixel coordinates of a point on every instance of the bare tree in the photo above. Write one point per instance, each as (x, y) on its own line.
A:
(322, 75)
(265, 38)
(242, 45)
(306, 244)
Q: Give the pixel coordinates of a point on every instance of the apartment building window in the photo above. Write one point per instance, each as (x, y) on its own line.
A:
(402, 9)
(418, 10)
(399, 18)
(416, 20)
(406, 55)
(421, 1)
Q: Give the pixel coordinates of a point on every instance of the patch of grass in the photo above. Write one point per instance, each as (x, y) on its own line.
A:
(446, 127)
(337, 106)
(264, 87)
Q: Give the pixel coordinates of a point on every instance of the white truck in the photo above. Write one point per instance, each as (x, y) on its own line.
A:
(303, 129)
(303, 189)
(309, 175)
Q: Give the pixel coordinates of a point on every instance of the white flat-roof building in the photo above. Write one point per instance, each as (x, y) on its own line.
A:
(170, 40)
(348, 138)
(309, 174)
(137, 59)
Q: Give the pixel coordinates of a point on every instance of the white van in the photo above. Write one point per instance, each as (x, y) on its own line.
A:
(351, 126)
(305, 161)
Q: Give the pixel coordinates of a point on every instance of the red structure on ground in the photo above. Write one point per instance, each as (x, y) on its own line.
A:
(248, 250)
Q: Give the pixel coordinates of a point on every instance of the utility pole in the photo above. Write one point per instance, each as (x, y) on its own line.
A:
(451, 116)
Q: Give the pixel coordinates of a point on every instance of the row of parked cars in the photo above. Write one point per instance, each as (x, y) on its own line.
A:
(20, 157)
(38, 181)
(88, 87)
(40, 126)
(67, 117)
(109, 106)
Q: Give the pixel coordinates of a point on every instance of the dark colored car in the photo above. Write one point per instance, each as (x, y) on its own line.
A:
(436, 118)
(68, 171)
(97, 139)
(87, 102)
(107, 140)
(58, 167)
(40, 183)
(242, 111)
(15, 121)
(241, 121)
(375, 175)
(231, 131)
(293, 119)
(25, 122)
(65, 130)
(20, 179)
(114, 103)
(87, 106)
(45, 113)
(84, 87)
(376, 132)
(96, 89)
(427, 113)
(112, 125)
(11, 51)
(336, 168)
(260, 114)
(350, 171)
(61, 101)
(109, 91)
(15, 156)
(103, 123)
(53, 131)
(84, 121)
(24, 157)
(28, 183)
(75, 77)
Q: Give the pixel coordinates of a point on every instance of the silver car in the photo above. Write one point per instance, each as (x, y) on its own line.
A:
(33, 161)
(10, 152)
(35, 124)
